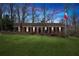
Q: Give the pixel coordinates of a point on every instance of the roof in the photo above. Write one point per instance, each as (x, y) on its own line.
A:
(40, 24)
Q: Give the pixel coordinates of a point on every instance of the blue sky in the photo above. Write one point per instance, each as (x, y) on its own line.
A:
(58, 9)
(50, 9)
(55, 10)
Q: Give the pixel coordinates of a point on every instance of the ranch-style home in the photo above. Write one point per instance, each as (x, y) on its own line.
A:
(40, 28)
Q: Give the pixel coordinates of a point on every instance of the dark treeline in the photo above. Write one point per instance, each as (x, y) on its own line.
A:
(9, 14)
(18, 13)
(6, 20)
(14, 13)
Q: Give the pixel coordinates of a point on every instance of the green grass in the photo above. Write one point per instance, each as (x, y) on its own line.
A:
(15, 44)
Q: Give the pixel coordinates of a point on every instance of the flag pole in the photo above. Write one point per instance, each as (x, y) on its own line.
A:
(65, 19)
(65, 28)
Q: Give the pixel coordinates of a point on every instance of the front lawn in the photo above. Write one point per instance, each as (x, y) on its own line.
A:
(15, 44)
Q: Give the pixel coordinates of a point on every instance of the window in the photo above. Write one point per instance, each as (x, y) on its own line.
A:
(57, 29)
(33, 29)
(16, 29)
(39, 30)
(62, 29)
(24, 29)
(54, 29)
(49, 29)
(46, 29)
(27, 30)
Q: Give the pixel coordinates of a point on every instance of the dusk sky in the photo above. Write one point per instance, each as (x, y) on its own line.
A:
(55, 10)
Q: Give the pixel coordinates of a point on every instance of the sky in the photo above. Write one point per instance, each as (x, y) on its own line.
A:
(54, 10)
(58, 9)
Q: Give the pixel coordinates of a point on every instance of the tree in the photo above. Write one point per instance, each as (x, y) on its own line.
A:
(62, 21)
(37, 18)
(11, 10)
(11, 5)
(7, 23)
(49, 19)
(1, 12)
(74, 22)
(65, 20)
(44, 13)
(18, 12)
(24, 12)
(33, 13)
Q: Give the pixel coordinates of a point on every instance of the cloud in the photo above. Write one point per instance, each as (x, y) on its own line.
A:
(57, 20)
